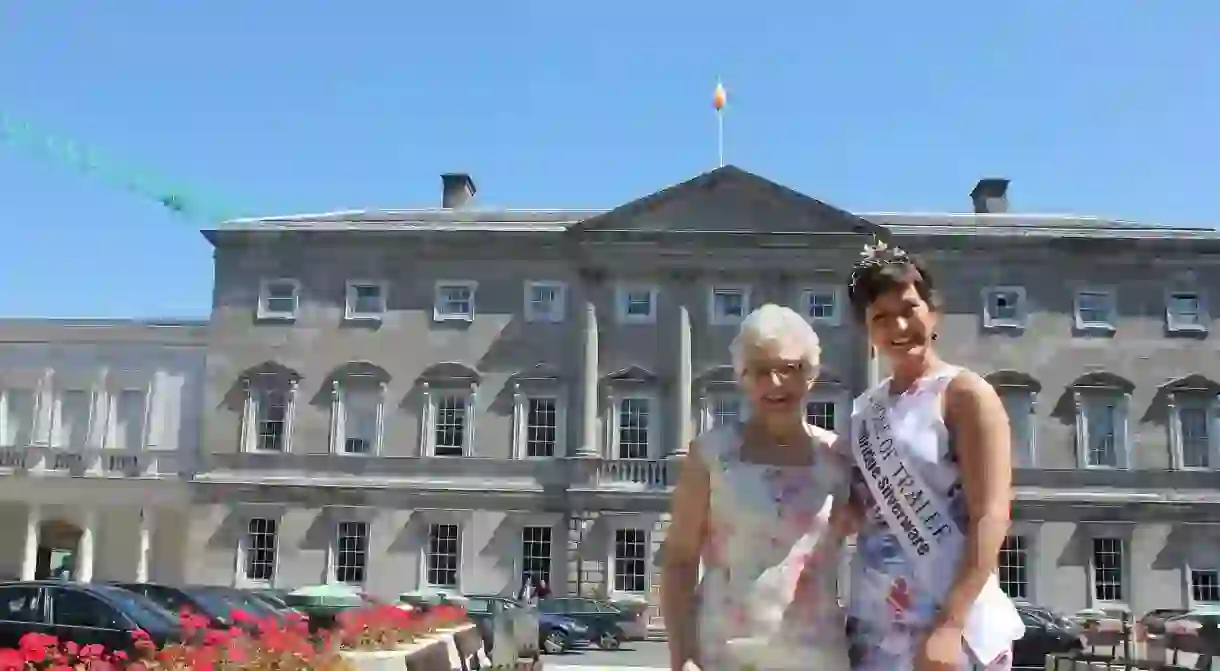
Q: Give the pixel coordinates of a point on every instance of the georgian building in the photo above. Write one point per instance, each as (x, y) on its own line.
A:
(99, 427)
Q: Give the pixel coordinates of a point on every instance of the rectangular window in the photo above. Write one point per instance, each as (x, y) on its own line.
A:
(630, 560)
(18, 417)
(365, 300)
(444, 555)
(1196, 438)
(1018, 404)
(72, 430)
(1205, 586)
(279, 299)
(271, 413)
(821, 414)
(545, 302)
(726, 409)
(351, 552)
(1014, 567)
(130, 407)
(634, 415)
(260, 549)
(536, 553)
(821, 305)
(450, 428)
(636, 305)
(454, 301)
(728, 305)
(1094, 310)
(1003, 307)
(360, 410)
(1108, 569)
(541, 427)
(1185, 312)
(1101, 417)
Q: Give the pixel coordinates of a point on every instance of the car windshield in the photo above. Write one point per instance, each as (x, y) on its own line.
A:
(241, 601)
(148, 614)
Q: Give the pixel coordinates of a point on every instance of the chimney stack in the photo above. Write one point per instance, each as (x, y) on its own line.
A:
(457, 188)
(990, 196)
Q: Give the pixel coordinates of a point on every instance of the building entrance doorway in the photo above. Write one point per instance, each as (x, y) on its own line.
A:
(57, 549)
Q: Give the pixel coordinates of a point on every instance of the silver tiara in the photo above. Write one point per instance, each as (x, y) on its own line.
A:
(875, 255)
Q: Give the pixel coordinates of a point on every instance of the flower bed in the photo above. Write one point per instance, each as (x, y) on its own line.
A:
(259, 645)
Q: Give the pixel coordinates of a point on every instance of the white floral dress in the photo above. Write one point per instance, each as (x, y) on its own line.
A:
(768, 597)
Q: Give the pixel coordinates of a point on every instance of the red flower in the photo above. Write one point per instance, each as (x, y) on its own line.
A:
(238, 616)
(11, 660)
(91, 651)
(139, 634)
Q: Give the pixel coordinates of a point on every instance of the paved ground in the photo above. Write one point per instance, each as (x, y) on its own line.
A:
(639, 656)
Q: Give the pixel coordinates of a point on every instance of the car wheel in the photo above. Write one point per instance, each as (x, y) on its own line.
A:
(554, 643)
(608, 642)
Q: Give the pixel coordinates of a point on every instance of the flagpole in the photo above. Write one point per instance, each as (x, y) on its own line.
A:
(720, 136)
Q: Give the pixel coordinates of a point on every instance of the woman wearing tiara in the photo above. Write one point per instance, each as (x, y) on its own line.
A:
(754, 506)
(931, 444)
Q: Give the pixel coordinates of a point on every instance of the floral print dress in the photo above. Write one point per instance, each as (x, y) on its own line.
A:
(889, 612)
(768, 597)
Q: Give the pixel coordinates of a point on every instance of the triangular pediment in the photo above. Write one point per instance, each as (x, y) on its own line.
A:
(729, 200)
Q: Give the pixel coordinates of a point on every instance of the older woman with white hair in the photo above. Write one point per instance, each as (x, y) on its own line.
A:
(755, 506)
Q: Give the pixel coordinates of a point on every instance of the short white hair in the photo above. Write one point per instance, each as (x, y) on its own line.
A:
(773, 323)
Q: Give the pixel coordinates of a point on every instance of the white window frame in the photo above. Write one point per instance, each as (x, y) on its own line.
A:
(638, 522)
(110, 433)
(1175, 399)
(1031, 424)
(57, 418)
(558, 567)
(240, 579)
(612, 421)
(349, 302)
(713, 315)
(806, 303)
(1020, 321)
(339, 414)
(1172, 324)
(623, 291)
(443, 517)
(1108, 326)
(264, 312)
(520, 438)
(1122, 429)
(1123, 535)
(558, 314)
(1189, 574)
(432, 395)
(707, 410)
(1029, 532)
(437, 289)
(841, 401)
(249, 420)
(332, 549)
(5, 427)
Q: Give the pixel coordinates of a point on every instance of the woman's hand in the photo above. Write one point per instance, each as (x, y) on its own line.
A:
(941, 650)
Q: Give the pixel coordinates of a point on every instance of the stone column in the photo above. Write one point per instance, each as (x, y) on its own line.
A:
(683, 378)
(144, 547)
(29, 555)
(83, 565)
(589, 370)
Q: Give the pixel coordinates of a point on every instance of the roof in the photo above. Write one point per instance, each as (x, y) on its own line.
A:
(182, 332)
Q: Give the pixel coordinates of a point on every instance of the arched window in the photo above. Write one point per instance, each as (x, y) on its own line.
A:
(1019, 392)
(269, 409)
(358, 391)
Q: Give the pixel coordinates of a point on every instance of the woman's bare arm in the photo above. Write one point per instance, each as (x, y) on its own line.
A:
(979, 424)
(682, 552)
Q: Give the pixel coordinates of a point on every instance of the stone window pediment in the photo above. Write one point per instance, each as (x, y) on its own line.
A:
(448, 413)
(358, 394)
(1101, 402)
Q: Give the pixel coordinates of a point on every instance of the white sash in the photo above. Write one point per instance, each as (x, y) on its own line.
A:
(919, 517)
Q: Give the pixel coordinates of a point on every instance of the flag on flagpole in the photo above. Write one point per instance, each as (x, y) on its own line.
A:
(719, 99)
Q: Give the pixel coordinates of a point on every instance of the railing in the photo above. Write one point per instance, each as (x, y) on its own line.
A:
(101, 463)
(641, 473)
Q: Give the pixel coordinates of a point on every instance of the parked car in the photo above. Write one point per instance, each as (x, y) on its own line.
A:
(207, 601)
(1153, 622)
(82, 613)
(556, 633)
(610, 625)
(275, 599)
(1046, 632)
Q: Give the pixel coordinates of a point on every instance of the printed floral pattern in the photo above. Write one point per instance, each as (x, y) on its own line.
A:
(768, 595)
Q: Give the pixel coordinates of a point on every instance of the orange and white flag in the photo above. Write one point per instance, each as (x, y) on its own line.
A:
(719, 99)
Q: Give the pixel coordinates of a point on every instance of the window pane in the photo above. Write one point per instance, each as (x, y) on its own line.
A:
(633, 420)
(78, 609)
(729, 303)
(1185, 309)
(19, 604)
(1196, 443)
(129, 416)
(1017, 403)
(366, 299)
(820, 305)
(73, 418)
(351, 550)
(260, 549)
(360, 420)
(1205, 586)
(19, 417)
(1108, 569)
(821, 414)
(536, 553)
(639, 303)
(1101, 416)
(1093, 307)
(271, 410)
(1013, 567)
(630, 560)
(1003, 305)
(454, 300)
(725, 410)
(443, 555)
(450, 425)
(541, 427)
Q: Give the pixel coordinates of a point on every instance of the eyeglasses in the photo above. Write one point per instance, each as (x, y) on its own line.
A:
(785, 371)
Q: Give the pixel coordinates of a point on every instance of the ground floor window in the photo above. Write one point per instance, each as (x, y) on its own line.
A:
(259, 549)
(1205, 586)
(1108, 569)
(1014, 567)
(444, 553)
(351, 552)
(536, 553)
(630, 560)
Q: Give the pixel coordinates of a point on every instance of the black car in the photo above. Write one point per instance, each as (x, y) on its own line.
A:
(83, 614)
(210, 602)
(1045, 633)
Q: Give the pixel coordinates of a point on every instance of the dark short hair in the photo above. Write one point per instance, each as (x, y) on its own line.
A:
(879, 274)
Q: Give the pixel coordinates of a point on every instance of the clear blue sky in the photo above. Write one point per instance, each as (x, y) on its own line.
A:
(1106, 107)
